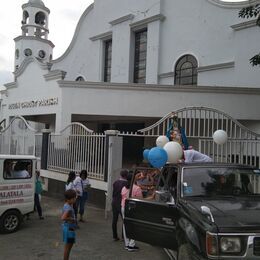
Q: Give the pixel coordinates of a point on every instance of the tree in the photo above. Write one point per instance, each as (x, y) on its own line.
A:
(251, 12)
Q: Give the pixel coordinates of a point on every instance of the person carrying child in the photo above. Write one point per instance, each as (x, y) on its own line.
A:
(69, 222)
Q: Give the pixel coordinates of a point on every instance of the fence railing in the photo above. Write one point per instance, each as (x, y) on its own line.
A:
(76, 152)
(234, 151)
(200, 123)
(18, 138)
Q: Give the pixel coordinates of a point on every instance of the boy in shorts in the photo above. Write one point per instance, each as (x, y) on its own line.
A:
(69, 222)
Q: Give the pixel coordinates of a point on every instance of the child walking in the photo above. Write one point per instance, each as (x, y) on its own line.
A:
(69, 222)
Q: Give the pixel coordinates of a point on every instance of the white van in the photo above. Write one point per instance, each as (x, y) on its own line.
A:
(17, 185)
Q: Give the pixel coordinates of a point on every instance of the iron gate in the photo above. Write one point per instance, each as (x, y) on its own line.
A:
(199, 123)
(19, 138)
(77, 148)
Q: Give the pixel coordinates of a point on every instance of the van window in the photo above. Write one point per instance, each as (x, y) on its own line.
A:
(146, 179)
(17, 169)
(156, 185)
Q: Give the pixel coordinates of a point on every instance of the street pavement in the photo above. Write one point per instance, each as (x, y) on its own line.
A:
(42, 239)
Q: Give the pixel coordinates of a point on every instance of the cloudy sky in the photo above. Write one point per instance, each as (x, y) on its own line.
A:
(63, 19)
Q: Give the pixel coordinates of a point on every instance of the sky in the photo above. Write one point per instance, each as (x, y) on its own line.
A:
(63, 19)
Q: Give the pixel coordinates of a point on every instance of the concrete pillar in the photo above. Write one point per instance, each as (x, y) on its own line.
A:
(153, 42)
(114, 163)
(63, 119)
(121, 53)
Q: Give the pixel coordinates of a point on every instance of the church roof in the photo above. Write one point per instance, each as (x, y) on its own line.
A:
(36, 2)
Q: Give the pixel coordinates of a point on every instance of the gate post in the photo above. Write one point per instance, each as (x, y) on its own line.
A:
(114, 163)
(45, 144)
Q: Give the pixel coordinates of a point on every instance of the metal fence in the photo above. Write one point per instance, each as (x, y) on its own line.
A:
(77, 148)
(200, 123)
(18, 138)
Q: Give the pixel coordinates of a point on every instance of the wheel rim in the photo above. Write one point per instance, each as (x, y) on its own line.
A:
(11, 222)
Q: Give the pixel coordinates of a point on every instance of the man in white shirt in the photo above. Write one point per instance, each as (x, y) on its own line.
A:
(195, 156)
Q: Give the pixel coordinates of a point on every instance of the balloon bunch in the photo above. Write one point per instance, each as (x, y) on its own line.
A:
(165, 151)
(171, 151)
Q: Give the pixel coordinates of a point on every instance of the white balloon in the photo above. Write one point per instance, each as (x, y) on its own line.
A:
(162, 140)
(220, 137)
(174, 151)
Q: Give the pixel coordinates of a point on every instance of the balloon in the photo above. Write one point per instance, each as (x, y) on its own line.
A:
(174, 151)
(157, 157)
(161, 141)
(145, 154)
(220, 137)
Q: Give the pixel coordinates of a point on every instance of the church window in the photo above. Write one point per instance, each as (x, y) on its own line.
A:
(17, 53)
(25, 17)
(140, 56)
(186, 71)
(80, 78)
(108, 60)
(40, 18)
(41, 54)
(27, 52)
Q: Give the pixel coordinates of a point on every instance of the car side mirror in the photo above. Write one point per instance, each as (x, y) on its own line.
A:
(206, 210)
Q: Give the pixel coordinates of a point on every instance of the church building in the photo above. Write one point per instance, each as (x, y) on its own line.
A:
(130, 62)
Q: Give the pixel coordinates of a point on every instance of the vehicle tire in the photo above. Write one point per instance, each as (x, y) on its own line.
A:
(10, 221)
(184, 252)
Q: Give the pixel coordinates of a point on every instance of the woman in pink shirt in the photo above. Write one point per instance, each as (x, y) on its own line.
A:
(137, 193)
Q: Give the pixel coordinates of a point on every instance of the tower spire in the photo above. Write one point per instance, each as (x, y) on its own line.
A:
(34, 39)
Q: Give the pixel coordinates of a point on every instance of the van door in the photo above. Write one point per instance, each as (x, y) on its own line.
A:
(152, 219)
(17, 185)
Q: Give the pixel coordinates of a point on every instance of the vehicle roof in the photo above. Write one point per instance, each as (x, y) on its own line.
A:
(11, 156)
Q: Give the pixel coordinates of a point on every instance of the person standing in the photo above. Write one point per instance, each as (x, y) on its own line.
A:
(136, 193)
(70, 181)
(70, 186)
(37, 194)
(69, 222)
(116, 201)
(82, 185)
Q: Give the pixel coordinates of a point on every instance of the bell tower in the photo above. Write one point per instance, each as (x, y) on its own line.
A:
(33, 42)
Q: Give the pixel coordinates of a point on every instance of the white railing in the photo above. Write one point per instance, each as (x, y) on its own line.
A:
(78, 148)
(200, 123)
(234, 151)
(18, 138)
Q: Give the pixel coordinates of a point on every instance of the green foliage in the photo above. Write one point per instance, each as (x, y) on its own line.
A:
(255, 60)
(251, 12)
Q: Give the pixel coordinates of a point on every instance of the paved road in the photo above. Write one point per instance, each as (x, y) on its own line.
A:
(42, 239)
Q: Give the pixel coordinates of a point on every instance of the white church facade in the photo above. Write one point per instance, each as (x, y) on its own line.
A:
(130, 62)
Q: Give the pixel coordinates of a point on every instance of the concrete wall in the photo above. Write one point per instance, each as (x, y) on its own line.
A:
(200, 28)
(156, 101)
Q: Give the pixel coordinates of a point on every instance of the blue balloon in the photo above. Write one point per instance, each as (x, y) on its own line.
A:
(157, 157)
(145, 154)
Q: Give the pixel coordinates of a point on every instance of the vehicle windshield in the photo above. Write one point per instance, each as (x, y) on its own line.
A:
(220, 181)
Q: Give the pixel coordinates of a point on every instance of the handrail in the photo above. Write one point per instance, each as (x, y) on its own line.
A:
(21, 118)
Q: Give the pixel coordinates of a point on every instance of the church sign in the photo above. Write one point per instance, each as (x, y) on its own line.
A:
(34, 103)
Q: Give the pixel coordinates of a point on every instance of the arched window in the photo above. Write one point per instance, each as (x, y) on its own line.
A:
(80, 78)
(25, 17)
(186, 71)
(40, 18)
